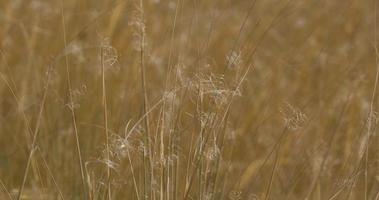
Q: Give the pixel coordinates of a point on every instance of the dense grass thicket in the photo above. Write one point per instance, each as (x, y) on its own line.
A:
(189, 99)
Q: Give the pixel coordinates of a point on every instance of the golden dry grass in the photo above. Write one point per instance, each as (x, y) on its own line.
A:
(189, 99)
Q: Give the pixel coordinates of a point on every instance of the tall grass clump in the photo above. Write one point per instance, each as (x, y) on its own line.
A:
(192, 100)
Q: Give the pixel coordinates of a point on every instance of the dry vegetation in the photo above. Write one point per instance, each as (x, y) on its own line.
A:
(189, 99)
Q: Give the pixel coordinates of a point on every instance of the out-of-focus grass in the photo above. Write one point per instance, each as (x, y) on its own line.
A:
(241, 99)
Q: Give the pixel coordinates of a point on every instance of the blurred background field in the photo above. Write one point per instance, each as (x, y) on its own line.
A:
(189, 99)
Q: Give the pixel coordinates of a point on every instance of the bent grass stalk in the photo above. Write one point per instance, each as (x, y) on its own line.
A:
(105, 113)
(71, 103)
